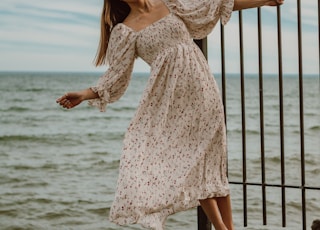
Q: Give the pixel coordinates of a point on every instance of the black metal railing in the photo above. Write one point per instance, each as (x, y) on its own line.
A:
(203, 223)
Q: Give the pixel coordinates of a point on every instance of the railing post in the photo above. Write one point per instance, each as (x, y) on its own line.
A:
(203, 222)
(203, 45)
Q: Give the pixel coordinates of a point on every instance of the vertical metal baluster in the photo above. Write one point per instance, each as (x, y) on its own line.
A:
(223, 80)
(243, 115)
(223, 72)
(283, 181)
(283, 185)
(319, 37)
(202, 44)
(203, 221)
(303, 191)
(263, 177)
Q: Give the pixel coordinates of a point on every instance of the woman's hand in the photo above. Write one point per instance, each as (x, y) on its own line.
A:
(275, 3)
(246, 4)
(71, 99)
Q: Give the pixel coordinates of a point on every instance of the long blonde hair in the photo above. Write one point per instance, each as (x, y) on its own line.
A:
(113, 12)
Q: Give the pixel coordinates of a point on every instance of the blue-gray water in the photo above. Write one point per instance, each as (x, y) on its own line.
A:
(58, 168)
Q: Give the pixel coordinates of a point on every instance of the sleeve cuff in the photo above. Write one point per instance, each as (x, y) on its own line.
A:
(102, 101)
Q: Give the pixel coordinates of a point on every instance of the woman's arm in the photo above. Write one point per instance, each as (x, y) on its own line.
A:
(246, 4)
(72, 99)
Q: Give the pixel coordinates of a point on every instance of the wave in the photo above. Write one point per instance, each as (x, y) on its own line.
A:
(10, 180)
(16, 109)
(33, 167)
(33, 185)
(43, 139)
(314, 128)
(52, 215)
(23, 226)
(254, 132)
(123, 109)
(315, 171)
(21, 100)
(9, 212)
(99, 211)
(35, 90)
(20, 138)
(292, 159)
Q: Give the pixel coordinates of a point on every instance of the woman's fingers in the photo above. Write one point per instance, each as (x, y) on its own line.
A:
(61, 98)
(275, 3)
(280, 2)
(64, 101)
(66, 104)
(70, 100)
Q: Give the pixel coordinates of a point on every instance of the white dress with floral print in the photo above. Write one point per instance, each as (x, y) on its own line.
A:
(174, 150)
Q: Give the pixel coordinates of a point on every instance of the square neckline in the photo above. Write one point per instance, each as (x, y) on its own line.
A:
(153, 23)
(150, 25)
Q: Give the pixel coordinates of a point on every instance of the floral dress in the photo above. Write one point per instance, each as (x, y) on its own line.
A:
(174, 150)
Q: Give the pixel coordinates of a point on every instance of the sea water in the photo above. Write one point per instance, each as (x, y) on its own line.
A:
(58, 167)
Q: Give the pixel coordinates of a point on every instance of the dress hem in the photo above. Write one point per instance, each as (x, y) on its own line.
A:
(156, 220)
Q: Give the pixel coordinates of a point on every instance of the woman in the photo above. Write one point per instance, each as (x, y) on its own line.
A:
(174, 154)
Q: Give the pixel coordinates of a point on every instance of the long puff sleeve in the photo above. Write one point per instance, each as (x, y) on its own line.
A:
(120, 58)
(201, 16)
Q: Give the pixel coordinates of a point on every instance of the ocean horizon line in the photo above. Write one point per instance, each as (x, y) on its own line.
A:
(134, 73)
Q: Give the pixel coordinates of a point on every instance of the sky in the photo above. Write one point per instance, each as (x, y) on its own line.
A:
(60, 35)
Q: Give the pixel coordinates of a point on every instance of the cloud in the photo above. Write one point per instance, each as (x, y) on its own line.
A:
(54, 29)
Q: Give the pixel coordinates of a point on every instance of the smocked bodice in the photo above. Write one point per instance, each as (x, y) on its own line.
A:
(161, 38)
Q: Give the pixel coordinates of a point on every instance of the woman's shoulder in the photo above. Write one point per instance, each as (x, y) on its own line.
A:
(121, 29)
(121, 34)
